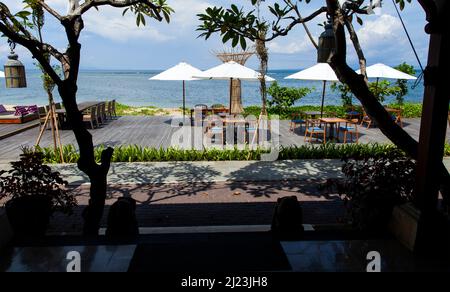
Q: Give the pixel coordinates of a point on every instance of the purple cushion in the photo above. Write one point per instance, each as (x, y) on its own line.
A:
(33, 109)
(21, 111)
(2, 109)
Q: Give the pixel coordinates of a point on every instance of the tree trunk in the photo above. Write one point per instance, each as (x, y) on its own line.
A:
(97, 174)
(373, 107)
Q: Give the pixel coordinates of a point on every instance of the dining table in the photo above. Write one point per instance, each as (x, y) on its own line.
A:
(332, 122)
(82, 106)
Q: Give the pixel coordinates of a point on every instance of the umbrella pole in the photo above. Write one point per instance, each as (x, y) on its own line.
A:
(376, 88)
(231, 93)
(184, 100)
(323, 97)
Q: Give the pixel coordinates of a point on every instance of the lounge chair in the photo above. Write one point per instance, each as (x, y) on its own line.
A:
(16, 115)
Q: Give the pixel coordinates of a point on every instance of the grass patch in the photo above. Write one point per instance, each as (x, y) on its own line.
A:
(127, 110)
(409, 110)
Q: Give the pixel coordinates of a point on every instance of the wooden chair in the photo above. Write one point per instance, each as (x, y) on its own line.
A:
(314, 128)
(110, 107)
(366, 120)
(91, 116)
(351, 127)
(200, 114)
(351, 113)
(252, 132)
(396, 116)
(114, 103)
(297, 119)
(99, 115)
(103, 110)
(219, 111)
(215, 129)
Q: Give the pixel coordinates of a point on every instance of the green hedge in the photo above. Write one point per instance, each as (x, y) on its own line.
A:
(409, 110)
(134, 153)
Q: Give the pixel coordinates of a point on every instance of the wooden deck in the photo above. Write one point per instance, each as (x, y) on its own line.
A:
(157, 132)
(8, 130)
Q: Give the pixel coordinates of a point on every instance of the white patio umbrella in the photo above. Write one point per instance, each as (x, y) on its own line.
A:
(321, 72)
(383, 71)
(232, 70)
(181, 72)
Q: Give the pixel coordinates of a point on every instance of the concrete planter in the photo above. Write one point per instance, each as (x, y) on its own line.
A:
(6, 233)
(404, 224)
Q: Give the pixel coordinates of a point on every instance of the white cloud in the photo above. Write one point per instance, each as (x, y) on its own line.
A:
(385, 30)
(109, 23)
(293, 47)
(186, 12)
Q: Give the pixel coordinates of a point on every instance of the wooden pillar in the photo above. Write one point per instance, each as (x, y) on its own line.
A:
(434, 121)
(236, 97)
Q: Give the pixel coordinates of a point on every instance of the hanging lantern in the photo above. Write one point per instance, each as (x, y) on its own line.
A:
(14, 70)
(327, 44)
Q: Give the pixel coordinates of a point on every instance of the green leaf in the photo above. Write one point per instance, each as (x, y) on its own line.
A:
(359, 20)
(243, 43)
(235, 41)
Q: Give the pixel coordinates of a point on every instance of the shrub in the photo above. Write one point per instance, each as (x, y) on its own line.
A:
(282, 98)
(403, 84)
(409, 110)
(373, 187)
(29, 177)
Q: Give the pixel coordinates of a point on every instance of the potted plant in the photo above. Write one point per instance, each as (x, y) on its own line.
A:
(33, 193)
(373, 187)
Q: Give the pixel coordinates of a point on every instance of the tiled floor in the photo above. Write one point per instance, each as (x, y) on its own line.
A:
(111, 258)
(303, 256)
(352, 256)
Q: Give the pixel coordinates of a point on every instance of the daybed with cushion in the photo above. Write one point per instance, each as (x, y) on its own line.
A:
(18, 114)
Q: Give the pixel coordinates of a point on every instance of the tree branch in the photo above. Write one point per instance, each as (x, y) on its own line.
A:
(358, 49)
(88, 4)
(285, 31)
(308, 32)
(50, 10)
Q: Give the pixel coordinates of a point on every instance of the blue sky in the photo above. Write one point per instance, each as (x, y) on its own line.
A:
(111, 41)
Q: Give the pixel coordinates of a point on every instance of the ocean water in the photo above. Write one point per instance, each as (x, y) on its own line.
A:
(134, 88)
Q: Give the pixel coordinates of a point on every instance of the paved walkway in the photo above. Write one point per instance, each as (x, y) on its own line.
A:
(209, 171)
